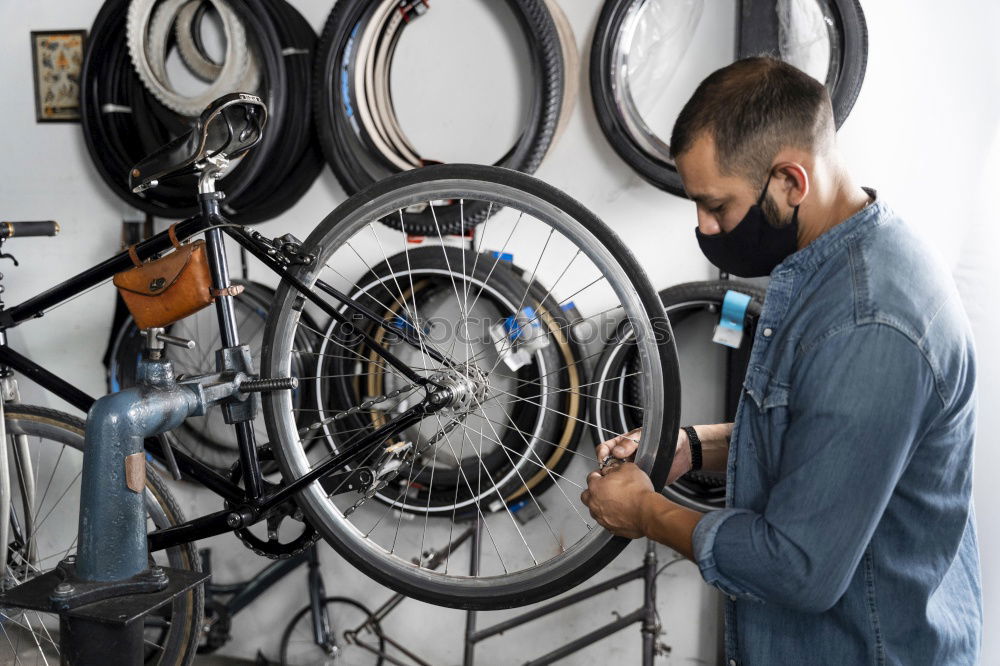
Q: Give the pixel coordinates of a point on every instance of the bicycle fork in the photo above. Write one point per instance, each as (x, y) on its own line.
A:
(23, 529)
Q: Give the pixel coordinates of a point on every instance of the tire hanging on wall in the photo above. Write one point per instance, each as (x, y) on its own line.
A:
(615, 398)
(123, 121)
(356, 121)
(648, 155)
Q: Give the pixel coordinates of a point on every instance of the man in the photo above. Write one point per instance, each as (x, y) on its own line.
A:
(849, 535)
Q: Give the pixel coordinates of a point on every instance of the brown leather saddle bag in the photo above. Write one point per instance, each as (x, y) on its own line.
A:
(164, 290)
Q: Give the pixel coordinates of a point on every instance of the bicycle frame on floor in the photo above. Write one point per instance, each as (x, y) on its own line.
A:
(250, 502)
(644, 615)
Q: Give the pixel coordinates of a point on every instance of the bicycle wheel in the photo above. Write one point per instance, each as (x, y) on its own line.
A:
(355, 636)
(826, 38)
(55, 445)
(549, 233)
(208, 438)
(615, 400)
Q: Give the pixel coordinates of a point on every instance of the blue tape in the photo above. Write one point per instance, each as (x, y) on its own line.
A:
(734, 310)
(516, 330)
(506, 256)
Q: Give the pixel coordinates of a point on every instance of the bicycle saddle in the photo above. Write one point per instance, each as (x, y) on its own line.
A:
(227, 128)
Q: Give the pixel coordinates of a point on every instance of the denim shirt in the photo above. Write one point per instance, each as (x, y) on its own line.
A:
(848, 535)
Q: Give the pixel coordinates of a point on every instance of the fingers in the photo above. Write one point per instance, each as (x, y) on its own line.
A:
(621, 446)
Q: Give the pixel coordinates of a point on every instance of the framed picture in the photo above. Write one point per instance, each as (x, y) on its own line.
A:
(57, 57)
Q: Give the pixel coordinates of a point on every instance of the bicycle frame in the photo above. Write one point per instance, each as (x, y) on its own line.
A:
(249, 503)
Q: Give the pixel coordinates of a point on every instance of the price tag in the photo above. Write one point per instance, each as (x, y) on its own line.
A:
(729, 330)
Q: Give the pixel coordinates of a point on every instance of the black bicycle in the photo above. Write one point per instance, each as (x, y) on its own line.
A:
(463, 421)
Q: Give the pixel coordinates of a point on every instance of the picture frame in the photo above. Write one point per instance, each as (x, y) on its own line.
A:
(57, 59)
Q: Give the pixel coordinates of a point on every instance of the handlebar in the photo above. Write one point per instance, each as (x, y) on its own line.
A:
(24, 229)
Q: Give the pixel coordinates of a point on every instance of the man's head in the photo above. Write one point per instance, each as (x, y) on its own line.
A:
(755, 119)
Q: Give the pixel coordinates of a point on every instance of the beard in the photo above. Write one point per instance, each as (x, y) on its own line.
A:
(773, 215)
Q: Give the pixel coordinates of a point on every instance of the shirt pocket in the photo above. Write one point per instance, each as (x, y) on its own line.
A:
(767, 417)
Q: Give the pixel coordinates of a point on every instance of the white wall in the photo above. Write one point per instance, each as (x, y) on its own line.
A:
(924, 132)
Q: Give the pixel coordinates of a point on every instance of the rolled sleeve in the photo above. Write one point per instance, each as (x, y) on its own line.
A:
(703, 541)
(854, 412)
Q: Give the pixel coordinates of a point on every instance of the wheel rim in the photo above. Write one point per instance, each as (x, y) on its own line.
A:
(386, 559)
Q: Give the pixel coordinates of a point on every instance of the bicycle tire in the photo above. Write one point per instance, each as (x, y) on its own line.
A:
(372, 624)
(123, 122)
(845, 15)
(68, 431)
(592, 548)
(615, 391)
(348, 149)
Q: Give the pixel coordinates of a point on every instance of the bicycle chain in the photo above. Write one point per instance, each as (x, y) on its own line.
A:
(364, 406)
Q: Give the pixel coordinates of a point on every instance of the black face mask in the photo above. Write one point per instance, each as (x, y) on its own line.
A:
(755, 246)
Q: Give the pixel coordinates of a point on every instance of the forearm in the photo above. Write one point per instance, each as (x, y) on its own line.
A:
(714, 445)
(668, 523)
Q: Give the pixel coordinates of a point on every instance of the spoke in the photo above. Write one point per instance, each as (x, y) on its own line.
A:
(573, 324)
(578, 392)
(538, 506)
(496, 261)
(480, 511)
(62, 450)
(541, 439)
(527, 288)
(12, 644)
(58, 499)
(560, 304)
(521, 455)
(575, 418)
(402, 298)
(550, 473)
(527, 382)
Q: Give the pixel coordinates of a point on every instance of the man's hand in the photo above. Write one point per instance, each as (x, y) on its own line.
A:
(624, 446)
(615, 497)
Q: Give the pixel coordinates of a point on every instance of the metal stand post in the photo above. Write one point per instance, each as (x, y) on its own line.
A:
(470, 617)
(102, 595)
(650, 627)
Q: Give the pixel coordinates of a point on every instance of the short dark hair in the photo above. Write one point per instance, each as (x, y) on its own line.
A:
(752, 109)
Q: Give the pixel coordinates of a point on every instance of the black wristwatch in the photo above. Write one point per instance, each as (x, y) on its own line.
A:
(695, 447)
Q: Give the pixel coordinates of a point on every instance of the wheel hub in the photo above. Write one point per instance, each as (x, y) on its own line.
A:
(463, 388)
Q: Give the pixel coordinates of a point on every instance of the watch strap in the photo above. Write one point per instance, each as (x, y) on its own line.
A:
(695, 442)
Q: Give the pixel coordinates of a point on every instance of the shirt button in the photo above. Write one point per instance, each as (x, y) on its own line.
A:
(732, 662)
(768, 332)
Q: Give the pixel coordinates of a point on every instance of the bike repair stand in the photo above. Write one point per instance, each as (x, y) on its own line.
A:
(645, 615)
(102, 594)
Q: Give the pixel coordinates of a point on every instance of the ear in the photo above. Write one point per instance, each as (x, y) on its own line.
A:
(793, 182)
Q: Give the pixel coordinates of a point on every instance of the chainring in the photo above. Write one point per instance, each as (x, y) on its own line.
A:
(272, 547)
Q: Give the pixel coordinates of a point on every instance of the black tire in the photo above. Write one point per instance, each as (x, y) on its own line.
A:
(123, 123)
(334, 606)
(185, 613)
(580, 559)
(349, 152)
(846, 75)
(615, 393)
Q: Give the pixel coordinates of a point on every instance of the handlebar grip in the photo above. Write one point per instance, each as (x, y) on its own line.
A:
(24, 229)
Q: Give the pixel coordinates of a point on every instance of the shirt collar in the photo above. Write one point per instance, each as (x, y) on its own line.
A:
(820, 249)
